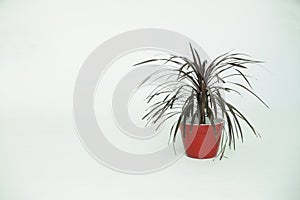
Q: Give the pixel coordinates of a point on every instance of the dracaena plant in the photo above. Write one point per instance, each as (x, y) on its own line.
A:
(192, 91)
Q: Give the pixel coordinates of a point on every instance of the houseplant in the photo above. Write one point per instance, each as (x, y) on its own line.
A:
(193, 92)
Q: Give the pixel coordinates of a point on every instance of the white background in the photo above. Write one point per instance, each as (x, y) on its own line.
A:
(44, 43)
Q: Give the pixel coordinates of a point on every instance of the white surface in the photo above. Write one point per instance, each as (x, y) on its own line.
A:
(44, 43)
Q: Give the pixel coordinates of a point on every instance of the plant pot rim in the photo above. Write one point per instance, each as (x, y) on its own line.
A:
(218, 121)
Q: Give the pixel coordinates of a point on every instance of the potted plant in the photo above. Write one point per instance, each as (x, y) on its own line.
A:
(193, 92)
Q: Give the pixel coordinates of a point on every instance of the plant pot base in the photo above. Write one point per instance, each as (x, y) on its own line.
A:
(204, 158)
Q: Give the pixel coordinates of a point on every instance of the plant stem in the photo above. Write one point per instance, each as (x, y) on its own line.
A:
(203, 102)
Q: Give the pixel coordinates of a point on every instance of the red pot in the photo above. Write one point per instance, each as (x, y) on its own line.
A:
(201, 142)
